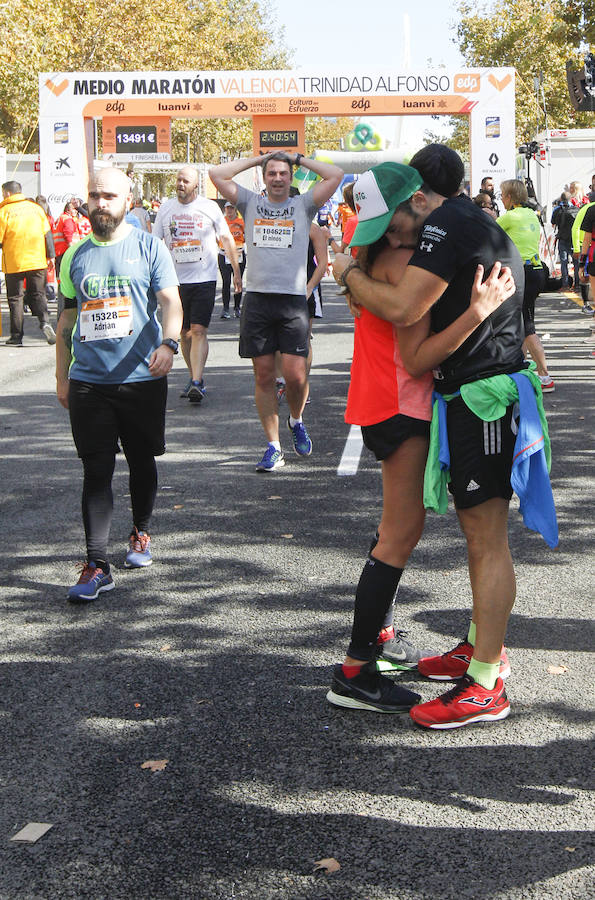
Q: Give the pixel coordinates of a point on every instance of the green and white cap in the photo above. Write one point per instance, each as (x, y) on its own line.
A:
(376, 195)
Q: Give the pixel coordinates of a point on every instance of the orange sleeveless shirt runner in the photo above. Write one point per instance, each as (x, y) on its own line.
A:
(380, 386)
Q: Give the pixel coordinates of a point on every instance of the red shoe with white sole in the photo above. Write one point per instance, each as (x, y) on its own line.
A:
(468, 703)
(454, 664)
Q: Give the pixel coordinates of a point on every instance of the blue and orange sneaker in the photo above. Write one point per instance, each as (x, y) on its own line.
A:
(92, 581)
(139, 550)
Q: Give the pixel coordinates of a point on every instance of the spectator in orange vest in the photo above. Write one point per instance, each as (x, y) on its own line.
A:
(66, 231)
(27, 244)
(236, 226)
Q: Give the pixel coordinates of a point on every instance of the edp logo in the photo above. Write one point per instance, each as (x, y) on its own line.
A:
(468, 83)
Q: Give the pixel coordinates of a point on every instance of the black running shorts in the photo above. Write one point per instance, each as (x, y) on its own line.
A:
(386, 437)
(315, 303)
(480, 455)
(198, 301)
(272, 322)
(134, 413)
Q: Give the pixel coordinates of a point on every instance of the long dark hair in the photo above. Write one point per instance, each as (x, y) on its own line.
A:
(367, 256)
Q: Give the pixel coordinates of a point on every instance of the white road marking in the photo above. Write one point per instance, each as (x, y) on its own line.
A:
(351, 452)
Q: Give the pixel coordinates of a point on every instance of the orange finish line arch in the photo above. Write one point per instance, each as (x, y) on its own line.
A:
(276, 101)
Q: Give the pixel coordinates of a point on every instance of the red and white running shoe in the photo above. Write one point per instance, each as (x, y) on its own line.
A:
(468, 703)
(454, 664)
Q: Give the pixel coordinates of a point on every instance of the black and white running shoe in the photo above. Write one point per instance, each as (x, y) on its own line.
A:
(370, 690)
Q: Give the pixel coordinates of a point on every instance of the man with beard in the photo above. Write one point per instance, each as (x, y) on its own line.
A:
(112, 358)
(192, 227)
(487, 187)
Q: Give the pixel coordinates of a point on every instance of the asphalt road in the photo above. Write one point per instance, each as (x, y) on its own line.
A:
(218, 657)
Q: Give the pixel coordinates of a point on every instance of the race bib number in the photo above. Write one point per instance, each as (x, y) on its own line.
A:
(277, 233)
(187, 251)
(106, 318)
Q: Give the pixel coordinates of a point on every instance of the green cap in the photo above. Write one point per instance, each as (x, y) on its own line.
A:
(376, 195)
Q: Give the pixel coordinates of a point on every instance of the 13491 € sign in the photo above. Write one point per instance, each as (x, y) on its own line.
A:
(142, 139)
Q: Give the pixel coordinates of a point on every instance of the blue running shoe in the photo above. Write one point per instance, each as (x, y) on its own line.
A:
(185, 389)
(196, 391)
(91, 583)
(301, 439)
(272, 459)
(139, 550)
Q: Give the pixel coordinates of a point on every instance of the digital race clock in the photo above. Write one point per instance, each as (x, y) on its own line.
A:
(278, 138)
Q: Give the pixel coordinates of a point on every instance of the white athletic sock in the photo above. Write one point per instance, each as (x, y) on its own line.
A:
(293, 421)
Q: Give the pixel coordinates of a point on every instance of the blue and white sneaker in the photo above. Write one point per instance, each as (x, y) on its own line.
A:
(196, 391)
(91, 583)
(272, 459)
(185, 389)
(301, 439)
(139, 550)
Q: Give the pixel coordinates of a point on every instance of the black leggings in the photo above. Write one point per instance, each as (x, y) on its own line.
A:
(534, 285)
(98, 501)
(226, 277)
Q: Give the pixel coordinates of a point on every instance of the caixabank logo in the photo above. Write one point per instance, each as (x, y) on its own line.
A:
(467, 83)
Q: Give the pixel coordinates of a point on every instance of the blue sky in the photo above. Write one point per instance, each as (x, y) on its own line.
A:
(369, 34)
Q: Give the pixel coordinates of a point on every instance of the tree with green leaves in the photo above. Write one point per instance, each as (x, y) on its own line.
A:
(536, 37)
(108, 35)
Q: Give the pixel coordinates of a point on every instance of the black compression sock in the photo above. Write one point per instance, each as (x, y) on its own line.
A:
(375, 592)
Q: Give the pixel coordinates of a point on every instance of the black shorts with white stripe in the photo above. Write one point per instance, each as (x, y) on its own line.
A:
(480, 455)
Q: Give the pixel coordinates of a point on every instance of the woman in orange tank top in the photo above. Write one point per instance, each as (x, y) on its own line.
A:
(390, 395)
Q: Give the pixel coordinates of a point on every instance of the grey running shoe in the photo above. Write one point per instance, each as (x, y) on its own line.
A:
(49, 333)
(369, 690)
(185, 389)
(400, 653)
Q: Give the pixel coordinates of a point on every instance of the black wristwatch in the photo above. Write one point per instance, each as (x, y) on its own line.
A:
(298, 156)
(169, 342)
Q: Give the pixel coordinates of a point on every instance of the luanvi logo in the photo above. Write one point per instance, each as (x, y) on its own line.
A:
(56, 89)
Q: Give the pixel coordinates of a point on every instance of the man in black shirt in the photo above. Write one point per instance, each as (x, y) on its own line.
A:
(455, 237)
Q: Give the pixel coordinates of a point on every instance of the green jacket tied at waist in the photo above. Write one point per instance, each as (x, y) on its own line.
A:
(488, 399)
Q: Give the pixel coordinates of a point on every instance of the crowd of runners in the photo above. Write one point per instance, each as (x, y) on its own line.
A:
(439, 384)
